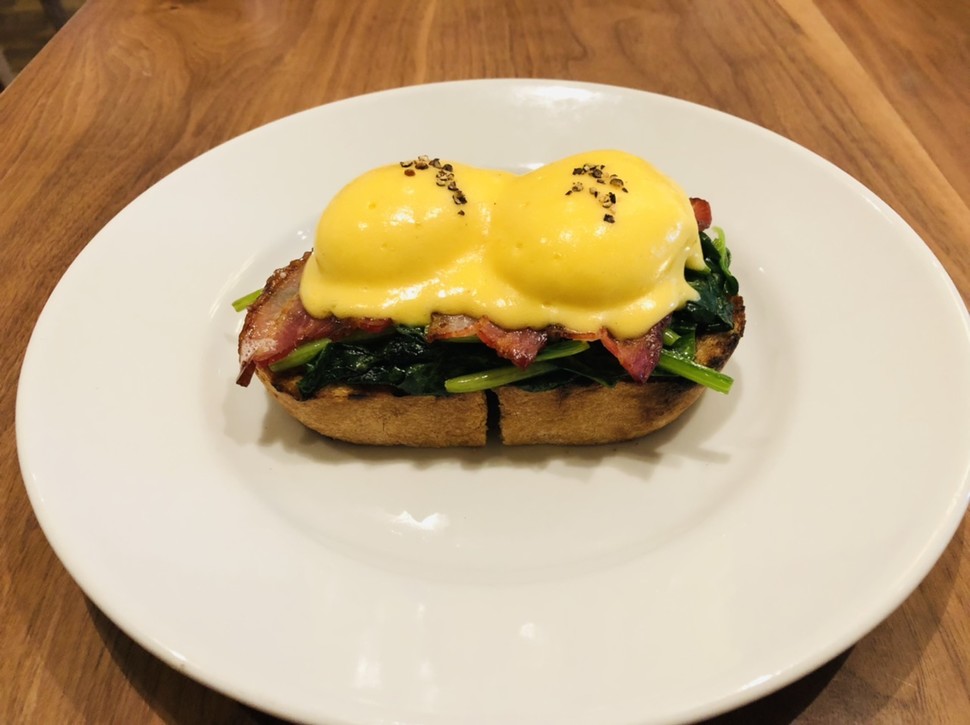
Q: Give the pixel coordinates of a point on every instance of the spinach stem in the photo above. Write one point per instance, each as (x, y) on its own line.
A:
(487, 379)
(300, 356)
(246, 300)
(562, 349)
(695, 372)
(496, 377)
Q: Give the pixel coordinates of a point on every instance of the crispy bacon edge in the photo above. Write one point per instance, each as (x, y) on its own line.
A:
(520, 347)
(702, 213)
(638, 356)
(277, 323)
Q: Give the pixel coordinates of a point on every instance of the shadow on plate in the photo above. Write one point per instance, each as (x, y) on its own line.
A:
(174, 697)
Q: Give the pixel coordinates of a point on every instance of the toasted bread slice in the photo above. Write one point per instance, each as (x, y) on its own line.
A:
(570, 415)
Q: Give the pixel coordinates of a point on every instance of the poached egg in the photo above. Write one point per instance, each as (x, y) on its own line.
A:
(598, 239)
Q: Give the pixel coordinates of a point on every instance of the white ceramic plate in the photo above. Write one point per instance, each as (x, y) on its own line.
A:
(656, 581)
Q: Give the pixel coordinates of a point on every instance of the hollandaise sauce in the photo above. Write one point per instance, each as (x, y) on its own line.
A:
(600, 239)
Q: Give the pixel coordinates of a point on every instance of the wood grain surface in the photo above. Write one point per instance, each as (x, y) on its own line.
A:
(129, 91)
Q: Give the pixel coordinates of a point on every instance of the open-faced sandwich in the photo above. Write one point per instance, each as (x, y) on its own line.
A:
(587, 301)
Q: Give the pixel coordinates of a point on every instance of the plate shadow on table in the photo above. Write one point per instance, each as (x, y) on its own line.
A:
(179, 699)
(171, 695)
(784, 706)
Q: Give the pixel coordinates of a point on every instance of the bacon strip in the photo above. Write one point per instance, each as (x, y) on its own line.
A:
(702, 212)
(277, 323)
(520, 347)
(638, 356)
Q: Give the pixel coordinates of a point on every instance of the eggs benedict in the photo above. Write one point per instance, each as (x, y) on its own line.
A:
(593, 272)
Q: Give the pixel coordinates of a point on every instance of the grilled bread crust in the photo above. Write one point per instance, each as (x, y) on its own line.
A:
(569, 415)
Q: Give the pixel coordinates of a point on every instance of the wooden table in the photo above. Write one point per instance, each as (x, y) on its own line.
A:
(127, 92)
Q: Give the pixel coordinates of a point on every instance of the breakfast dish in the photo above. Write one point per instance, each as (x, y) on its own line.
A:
(660, 580)
(587, 301)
